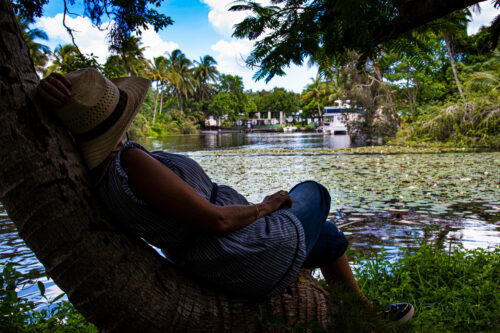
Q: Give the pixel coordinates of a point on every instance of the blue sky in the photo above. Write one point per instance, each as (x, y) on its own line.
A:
(200, 27)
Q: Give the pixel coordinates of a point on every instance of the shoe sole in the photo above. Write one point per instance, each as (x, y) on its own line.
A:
(406, 317)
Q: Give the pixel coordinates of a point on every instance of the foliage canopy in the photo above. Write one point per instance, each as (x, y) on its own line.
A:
(128, 15)
(289, 31)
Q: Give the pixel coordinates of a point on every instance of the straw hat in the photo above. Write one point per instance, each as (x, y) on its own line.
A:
(100, 111)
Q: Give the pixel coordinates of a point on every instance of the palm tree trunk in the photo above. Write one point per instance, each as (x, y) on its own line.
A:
(156, 102)
(115, 280)
(408, 92)
(161, 100)
(452, 62)
(320, 121)
(179, 100)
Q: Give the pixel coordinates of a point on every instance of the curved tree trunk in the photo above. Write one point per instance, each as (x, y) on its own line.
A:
(452, 63)
(116, 281)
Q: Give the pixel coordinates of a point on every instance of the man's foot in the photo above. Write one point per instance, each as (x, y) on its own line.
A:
(399, 313)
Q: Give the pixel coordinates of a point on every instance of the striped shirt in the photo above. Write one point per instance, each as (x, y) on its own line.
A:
(260, 259)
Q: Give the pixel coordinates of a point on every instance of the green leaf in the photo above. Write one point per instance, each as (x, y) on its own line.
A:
(41, 287)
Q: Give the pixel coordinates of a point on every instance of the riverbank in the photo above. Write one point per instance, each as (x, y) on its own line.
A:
(451, 290)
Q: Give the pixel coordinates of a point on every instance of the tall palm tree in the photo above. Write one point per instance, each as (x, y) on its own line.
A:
(316, 91)
(130, 51)
(448, 27)
(205, 71)
(39, 53)
(180, 75)
(156, 72)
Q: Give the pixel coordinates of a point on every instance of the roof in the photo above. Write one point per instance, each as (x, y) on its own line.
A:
(336, 109)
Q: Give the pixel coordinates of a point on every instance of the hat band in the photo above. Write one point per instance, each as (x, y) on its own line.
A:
(107, 123)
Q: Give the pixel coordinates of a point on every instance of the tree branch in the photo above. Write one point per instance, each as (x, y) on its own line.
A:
(68, 29)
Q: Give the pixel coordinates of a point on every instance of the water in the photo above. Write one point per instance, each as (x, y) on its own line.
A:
(395, 201)
(214, 140)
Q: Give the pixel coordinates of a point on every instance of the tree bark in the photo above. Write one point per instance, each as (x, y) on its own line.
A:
(116, 281)
(161, 99)
(452, 63)
(156, 102)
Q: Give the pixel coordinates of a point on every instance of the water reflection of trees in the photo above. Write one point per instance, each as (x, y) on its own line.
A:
(394, 231)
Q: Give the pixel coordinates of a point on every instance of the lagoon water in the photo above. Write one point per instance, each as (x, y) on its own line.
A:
(393, 200)
(214, 141)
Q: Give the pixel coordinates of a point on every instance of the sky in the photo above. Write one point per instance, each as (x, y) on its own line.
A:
(200, 27)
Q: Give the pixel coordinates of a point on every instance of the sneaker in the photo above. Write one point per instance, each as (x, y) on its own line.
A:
(399, 313)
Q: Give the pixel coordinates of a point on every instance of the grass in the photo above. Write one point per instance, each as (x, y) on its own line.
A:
(453, 291)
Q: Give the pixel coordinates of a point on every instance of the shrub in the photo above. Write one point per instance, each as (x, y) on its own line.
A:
(40, 315)
(474, 123)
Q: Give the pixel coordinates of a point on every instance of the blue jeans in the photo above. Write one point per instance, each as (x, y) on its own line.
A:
(324, 242)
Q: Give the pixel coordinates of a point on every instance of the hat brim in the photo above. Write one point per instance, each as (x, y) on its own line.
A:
(95, 151)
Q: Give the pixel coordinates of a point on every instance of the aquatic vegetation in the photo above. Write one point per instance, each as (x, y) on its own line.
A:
(369, 180)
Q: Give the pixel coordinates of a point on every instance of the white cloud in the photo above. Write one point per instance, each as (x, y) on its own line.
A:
(92, 40)
(154, 44)
(488, 13)
(88, 38)
(230, 52)
(233, 48)
(230, 57)
(221, 18)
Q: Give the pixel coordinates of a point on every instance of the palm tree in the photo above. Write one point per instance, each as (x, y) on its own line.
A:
(315, 91)
(448, 27)
(488, 78)
(204, 73)
(130, 51)
(114, 67)
(64, 58)
(156, 71)
(180, 75)
(39, 53)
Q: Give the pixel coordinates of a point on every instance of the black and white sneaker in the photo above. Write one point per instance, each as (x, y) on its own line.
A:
(399, 313)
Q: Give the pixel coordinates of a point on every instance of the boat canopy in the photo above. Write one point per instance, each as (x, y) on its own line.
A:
(335, 110)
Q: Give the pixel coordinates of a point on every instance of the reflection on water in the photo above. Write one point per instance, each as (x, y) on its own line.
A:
(214, 140)
(394, 232)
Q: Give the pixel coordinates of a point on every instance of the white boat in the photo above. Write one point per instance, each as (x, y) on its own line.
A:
(289, 129)
(334, 117)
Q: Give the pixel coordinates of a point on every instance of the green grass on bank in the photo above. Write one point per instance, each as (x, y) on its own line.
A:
(456, 292)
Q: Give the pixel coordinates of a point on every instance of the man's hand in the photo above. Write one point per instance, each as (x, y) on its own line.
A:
(54, 90)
